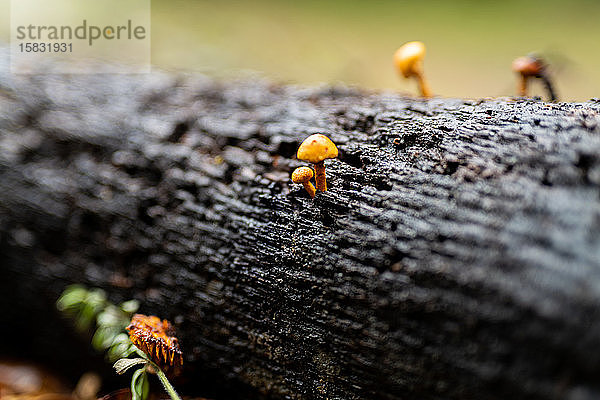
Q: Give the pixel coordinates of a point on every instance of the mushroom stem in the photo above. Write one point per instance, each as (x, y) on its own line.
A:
(423, 85)
(522, 86)
(310, 189)
(549, 87)
(320, 176)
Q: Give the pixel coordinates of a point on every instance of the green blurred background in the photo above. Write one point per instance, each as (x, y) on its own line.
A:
(470, 43)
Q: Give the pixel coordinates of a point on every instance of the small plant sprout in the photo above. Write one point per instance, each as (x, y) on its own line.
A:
(409, 62)
(303, 175)
(151, 338)
(532, 66)
(316, 149)
(158, 348)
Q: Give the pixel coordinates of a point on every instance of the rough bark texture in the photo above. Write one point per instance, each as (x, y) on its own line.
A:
(456, 254)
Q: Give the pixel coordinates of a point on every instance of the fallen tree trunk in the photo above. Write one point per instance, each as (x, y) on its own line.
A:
(456, 254)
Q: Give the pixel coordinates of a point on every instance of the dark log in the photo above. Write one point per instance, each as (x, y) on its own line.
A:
(456, 254)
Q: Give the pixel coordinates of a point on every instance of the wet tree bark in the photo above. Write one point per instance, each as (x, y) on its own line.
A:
(456, 254)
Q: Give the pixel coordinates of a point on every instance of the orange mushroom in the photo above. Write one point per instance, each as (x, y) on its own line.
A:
(532, 66)
(409, 62)
(303, 175)
(316, 149)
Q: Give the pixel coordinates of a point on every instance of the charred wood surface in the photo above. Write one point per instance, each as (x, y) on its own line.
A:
(456, 254)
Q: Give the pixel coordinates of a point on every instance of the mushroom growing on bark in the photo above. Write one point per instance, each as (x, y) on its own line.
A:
(532, 66)
(316, 149)
(303, 175)
(409, 62)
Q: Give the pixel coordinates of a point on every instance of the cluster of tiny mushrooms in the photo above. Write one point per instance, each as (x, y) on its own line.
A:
(408, 60)
(315, 149)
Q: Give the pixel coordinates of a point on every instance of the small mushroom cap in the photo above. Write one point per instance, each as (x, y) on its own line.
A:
(302, 174)
(317, 148)
(528, 66)
(408, 56)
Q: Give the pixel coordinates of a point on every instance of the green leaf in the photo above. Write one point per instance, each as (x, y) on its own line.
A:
(111, 316)
(71, 297)
(123, 364)
(139, 385)
(105, 337)
(96, 298)
(120, 338)
(119, 350)
(130, 306)
(85, 317)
